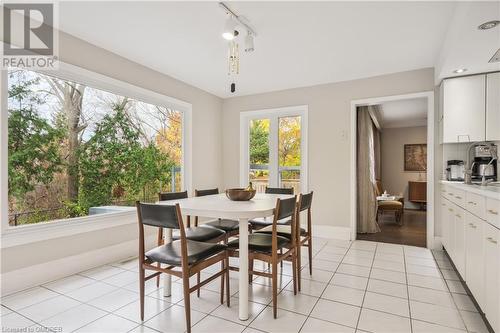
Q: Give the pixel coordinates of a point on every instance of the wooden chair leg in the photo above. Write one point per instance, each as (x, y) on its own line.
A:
(228, 294)
(198, 279)
(158, 277)
(274, 268)
(142, 281)
(310, 249)
(250, 269)
(222, 277)
(299, 266)
(294, 271)
(187, 302)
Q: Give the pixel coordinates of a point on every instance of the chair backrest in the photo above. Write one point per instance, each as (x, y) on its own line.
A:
(201, 193)
(286, 208)
(378, 188)
(161, 216)
(278, 190)
(305, 201)
(164, 196)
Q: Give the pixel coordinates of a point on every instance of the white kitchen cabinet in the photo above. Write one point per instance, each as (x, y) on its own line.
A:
(474, 257)
(491, 276)
(459, 240)
(464, 108)
(493, 107)
(443, 216)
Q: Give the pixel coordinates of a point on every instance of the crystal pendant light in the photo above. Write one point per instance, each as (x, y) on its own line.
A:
(233, 62)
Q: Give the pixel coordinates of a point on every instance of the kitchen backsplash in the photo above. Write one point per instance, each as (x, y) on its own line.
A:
(457, 151)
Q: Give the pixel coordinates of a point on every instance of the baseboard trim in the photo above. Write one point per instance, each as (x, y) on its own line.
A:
(36, 275)
(332, 232)
(438, 243)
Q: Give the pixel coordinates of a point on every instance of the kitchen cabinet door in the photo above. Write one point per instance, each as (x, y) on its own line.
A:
(443, 215)
(450, 221)
(464, 109)
(493, 107)
(492, 276)
(474, 257)
(459, 245)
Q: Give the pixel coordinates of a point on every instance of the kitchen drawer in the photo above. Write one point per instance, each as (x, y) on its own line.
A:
(476, 204)
(493, 212)
(456, 196)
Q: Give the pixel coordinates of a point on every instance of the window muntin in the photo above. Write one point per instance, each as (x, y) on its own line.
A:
(73, 147)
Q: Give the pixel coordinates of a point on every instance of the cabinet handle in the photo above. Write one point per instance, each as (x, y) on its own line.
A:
(472, 203)
(458, 215)
(450, 209)
(443, 205)
(458, 197)
(491, 211)
(450, 193)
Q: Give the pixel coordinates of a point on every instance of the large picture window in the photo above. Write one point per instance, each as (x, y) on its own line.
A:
(75, 150)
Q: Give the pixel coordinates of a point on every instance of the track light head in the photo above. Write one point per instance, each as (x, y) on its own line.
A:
(249, 44)
(230, 31)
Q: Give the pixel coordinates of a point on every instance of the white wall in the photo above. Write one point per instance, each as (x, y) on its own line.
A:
(329, 123)
(394, 178)
(206, 164)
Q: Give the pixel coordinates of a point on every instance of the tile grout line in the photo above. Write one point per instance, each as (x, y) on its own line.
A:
(407, 290)
(327, 284)
(366, 289)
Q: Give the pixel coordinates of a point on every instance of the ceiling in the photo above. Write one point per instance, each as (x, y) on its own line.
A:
(465, 46)
(404, 113)
(298, 43)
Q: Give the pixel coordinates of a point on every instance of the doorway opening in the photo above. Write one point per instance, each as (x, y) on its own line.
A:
(392, 174)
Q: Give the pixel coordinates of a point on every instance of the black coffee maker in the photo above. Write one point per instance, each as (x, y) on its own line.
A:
(485, 162)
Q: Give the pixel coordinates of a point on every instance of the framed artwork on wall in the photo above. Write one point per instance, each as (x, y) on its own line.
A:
(415, 157)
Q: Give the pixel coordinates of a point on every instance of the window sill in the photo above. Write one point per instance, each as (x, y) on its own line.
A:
(21, 235)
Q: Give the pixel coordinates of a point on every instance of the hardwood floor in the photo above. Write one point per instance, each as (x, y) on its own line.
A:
(412, 232)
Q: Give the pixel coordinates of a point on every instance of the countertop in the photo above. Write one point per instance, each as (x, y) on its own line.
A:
(490, 191)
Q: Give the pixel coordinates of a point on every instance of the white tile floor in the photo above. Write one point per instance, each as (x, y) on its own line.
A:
(355, 287)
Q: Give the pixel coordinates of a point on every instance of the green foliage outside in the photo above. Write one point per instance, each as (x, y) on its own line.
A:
(116, 161)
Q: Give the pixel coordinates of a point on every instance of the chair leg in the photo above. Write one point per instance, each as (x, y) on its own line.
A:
(142, 281)
(228, 294)
(281, 262)
(222, 277)
(294, 271)
(299, 265)
(158, 277)
(198, 279)
(310, 249)
(275, 288)
(187, 302)
(250, 269)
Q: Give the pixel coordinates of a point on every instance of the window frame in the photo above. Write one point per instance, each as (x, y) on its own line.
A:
(273, 115)
(17, 235)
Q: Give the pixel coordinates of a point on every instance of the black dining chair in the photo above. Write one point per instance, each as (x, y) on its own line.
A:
(262, 222)
(304, 235)
(183, 257)
(195, 233)
(272, 248)
(230, 227)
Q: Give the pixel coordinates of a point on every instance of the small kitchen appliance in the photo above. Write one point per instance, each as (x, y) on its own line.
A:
(455, 170)
(485, 162)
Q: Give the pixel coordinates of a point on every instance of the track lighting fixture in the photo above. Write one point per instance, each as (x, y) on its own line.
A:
(230, 31)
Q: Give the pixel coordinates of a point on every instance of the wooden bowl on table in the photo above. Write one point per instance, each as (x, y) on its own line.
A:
(240, 194)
